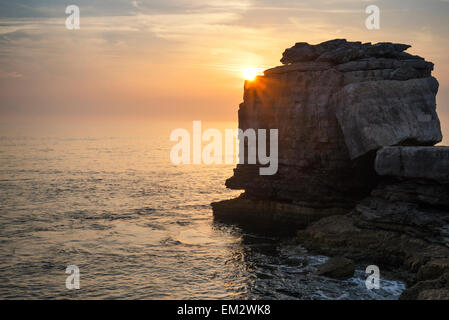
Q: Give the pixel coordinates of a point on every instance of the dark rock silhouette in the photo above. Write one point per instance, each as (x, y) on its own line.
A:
(337, 267)
(358, 173)
(414, 162)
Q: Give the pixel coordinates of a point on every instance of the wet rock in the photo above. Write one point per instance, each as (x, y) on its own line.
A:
(337, 267)
(268, 214)
(433, 269)
(294, 262)
(434, 294)
(342, 235)
(430, 289)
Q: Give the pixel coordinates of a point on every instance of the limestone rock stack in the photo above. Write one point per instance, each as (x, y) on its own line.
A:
(359, 174)
(335, 104)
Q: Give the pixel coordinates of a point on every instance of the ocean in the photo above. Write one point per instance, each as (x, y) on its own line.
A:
(139, 227)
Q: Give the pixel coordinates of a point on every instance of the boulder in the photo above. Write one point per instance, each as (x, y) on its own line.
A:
(434, 294)
(375, 114)
(428, 290)
(433, 269)
(337, 267)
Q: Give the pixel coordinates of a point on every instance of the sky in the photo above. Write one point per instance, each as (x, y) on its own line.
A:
(170, 60)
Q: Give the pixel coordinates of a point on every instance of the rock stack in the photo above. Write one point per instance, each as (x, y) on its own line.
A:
(335, 104)
(357, 128)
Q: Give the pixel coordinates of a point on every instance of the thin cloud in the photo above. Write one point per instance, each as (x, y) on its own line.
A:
(10, 75)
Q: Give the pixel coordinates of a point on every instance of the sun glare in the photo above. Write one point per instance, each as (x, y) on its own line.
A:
(250, 73)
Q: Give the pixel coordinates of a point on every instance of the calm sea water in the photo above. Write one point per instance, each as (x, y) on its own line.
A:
(139, 227)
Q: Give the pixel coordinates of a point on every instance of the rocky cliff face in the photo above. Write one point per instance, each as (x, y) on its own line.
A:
(356, 123)
(334, 105)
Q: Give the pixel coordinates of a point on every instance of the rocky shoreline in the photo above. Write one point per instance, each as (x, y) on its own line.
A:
(359, 176)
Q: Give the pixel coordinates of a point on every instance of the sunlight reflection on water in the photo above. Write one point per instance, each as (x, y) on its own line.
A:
(138, 227)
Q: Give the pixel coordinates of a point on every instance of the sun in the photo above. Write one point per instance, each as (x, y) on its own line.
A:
(250, 73)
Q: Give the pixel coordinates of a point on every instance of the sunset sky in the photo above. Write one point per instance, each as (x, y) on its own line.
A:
(170, 60)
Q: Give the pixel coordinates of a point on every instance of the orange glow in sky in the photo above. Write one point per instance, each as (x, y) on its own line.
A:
(143, 60)
(250, 73)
